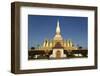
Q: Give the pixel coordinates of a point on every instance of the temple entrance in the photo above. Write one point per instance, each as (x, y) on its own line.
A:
(58, 54)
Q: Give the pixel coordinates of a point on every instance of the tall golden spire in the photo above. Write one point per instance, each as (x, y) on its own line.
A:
(58, 34)
(58, 28)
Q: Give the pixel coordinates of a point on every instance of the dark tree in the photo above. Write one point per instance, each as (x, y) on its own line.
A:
(32, 47)
(80, 47)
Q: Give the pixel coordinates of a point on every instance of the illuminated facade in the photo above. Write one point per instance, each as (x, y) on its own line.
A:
(57, 45)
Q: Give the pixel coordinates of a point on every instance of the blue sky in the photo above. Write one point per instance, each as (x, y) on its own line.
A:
(44, 27)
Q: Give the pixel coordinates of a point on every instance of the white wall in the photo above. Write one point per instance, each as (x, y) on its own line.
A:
(5, 33)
